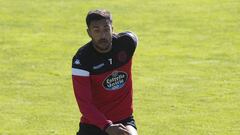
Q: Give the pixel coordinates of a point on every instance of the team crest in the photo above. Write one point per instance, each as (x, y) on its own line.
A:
(122, 56)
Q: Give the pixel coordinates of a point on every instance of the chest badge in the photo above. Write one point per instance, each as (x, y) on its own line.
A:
(115, 81)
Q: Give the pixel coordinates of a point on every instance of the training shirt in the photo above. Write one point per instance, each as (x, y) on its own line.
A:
(102, 82)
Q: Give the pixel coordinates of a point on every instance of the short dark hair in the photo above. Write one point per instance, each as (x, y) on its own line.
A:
(98, 14)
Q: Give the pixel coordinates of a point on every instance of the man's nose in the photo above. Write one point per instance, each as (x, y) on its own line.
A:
(103, 34)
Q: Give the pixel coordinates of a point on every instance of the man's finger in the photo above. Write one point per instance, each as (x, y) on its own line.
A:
(125, 131)
(122, 126)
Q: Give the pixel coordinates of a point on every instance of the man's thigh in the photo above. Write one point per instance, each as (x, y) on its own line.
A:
(87, 129)
(130, 125)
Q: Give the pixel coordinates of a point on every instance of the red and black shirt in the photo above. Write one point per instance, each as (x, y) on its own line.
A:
(102, 82)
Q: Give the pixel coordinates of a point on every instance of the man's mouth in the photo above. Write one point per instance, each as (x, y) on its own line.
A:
(103, 41)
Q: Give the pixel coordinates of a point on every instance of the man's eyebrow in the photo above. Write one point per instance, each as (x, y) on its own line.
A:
(106, 26)
(95, 26)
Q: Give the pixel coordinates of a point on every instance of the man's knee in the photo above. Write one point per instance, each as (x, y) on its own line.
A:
(132, 130)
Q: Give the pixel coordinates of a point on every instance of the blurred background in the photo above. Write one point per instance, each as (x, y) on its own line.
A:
(186, 68)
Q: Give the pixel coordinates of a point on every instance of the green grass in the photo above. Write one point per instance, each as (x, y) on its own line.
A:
(186, 68)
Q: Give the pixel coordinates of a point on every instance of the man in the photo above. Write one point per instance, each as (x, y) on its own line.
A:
(102, 80)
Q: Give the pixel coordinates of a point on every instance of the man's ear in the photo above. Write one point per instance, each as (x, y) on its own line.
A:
(113, 31)
(89, 33)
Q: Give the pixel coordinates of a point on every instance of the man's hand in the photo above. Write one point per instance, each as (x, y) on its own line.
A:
(117, 129)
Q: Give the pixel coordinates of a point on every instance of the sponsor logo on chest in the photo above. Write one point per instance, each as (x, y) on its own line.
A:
(115, 81)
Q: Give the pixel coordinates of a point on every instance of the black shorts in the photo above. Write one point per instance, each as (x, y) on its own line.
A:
(87, 129)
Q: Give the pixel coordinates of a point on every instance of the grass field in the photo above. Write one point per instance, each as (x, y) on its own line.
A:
(186, 68)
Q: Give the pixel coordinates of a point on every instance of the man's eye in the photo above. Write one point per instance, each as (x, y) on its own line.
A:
(96, 31)
(107, 29)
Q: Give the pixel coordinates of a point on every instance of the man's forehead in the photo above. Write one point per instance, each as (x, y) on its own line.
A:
(99, 23)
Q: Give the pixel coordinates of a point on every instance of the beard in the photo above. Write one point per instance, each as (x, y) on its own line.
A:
(103, 44)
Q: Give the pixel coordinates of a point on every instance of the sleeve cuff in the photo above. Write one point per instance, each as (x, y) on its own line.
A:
(107, 125)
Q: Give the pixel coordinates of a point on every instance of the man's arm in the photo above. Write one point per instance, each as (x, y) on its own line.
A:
(82, 90)
(131, 40)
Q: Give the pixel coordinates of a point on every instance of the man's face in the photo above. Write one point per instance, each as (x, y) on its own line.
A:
(101, 33)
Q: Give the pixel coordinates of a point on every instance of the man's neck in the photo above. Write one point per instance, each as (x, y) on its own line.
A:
(102, 51)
